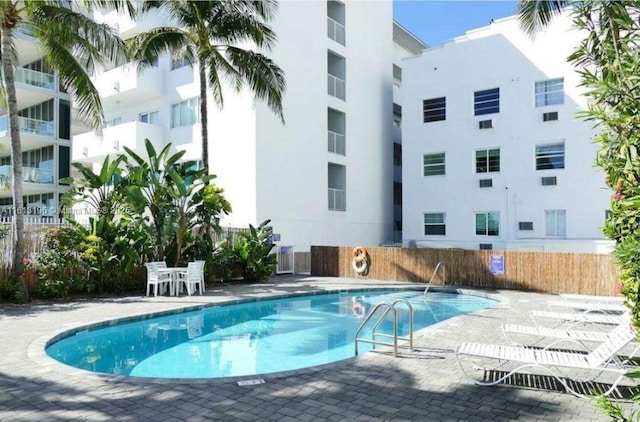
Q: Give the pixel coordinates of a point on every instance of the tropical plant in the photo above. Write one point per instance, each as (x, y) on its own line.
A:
(608, 63)
(72, 44)
(252, 253)
(209, 33)
(148, 188)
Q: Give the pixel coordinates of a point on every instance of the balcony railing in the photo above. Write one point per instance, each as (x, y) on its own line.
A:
(35, 78)
(30, 174)
(335, 31)
(337, 200)
(28, 125)
(337, 143)
(336, 87)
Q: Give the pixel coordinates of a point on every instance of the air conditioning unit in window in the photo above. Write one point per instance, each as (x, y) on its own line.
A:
(486, 246)
(550, 117)
(485, 124)
(486, 183)
(549, 181)
(525, 225)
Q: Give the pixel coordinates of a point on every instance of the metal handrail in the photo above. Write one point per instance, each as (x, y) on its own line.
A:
(390, 307)
(444, 276)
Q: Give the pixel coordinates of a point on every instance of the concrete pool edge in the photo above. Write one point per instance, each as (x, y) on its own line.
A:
(36, 350)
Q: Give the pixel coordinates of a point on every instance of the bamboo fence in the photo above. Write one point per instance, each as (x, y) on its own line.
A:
(552, 272)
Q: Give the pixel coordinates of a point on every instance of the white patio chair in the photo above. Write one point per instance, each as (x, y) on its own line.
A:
(202, 265)
(591, 298)
(601, 360)
(191, 278)
(157, 280)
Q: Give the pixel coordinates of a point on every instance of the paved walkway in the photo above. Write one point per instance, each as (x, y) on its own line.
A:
(425, 385)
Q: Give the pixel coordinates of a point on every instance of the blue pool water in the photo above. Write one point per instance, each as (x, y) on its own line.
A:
(248, 338)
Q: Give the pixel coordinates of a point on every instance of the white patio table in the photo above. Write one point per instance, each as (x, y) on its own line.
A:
(173, 272)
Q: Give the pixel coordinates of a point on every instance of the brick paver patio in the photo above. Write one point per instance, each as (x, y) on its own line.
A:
(424, 385)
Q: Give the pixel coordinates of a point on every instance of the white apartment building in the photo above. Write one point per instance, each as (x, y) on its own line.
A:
(494, 156)
(45, 129)
(323, 178)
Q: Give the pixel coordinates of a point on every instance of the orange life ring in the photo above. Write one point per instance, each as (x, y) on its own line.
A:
(360, 261)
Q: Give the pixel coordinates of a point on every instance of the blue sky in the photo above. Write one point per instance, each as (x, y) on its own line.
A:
(437, 21)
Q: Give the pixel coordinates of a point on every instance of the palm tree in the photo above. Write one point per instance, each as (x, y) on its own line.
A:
(72, 44)
(208, 32)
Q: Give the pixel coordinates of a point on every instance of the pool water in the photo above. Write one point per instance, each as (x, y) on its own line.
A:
(249, 338)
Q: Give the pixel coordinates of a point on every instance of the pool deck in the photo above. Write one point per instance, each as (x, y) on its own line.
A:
(423, 385)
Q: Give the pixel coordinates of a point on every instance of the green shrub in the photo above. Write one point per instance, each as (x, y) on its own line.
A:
(252, 253)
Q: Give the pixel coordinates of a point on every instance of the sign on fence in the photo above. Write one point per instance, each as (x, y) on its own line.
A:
(496, 264)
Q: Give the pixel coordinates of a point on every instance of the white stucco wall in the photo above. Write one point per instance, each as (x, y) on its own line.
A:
(500, 56)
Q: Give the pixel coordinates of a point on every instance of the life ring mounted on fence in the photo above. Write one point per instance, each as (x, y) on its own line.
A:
(360, 260)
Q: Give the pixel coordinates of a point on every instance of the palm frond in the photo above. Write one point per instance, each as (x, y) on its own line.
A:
(234, 28)
(535, 15)
(121, 6)
(145, 48)
(220, 69)
(265, 78)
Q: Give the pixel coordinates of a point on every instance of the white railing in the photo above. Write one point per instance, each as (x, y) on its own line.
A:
(28, 125)
(335, 31)
(35, 78)
(336, 143)
(6, 218)
(30, 174)
(336, 86)
(337, 199)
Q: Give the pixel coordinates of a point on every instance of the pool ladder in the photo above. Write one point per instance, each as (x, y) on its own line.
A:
(435, 272)
(388, 307)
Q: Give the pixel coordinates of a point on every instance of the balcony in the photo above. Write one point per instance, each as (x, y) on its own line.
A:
(35, 78)
(89, 148)
(336, 87)
(34, 133)
(335, 31)
(123, 85)
(336, 143)
(30, 174)
(337, 200)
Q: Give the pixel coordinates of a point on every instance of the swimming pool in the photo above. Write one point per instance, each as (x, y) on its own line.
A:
(248, 338)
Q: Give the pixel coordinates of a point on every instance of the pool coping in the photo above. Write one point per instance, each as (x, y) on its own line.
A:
(36, 349)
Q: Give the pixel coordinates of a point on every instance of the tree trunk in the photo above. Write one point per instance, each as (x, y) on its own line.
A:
(203, 114)
(16, 150)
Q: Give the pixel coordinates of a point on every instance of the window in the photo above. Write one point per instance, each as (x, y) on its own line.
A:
(550, 156)
(185, 113)
(486, 102)
(433, 164)
(434, 109)
(556, 223)
(550, 117)
(151, 117)
(488, 223)
(397, 193)
(397, 154)
(488, 160)
(434, 224)
(550, 92)
(113, 122)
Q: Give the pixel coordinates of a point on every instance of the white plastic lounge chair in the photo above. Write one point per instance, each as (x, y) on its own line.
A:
(558, 336)
(602, 359)
(589, 306)
(159, 281)
(593, 318)
(597, 299)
